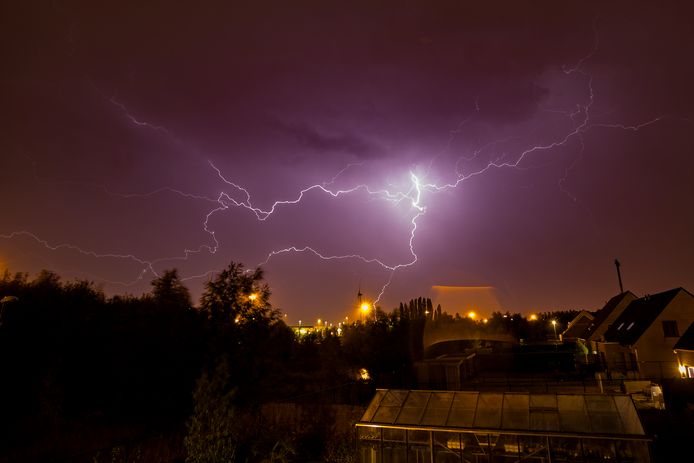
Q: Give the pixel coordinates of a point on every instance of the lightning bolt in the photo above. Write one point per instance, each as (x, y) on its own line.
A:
(138, 122)
(238, 196)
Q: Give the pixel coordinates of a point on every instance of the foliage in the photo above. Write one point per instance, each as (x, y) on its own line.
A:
(73, 358)
(169, 291)
(237, 296)
(212, 432)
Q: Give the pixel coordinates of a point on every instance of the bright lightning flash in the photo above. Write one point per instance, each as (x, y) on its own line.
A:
(415, 194)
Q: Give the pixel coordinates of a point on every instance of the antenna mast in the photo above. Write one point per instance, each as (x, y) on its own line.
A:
(619, 276)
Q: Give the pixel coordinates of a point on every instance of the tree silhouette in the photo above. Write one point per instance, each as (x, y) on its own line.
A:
(168, 290)
(237, 296)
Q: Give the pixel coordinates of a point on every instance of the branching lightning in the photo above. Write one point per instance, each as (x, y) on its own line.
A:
(239, 197)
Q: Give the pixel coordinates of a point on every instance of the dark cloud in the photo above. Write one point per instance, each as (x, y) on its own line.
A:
(328, 144)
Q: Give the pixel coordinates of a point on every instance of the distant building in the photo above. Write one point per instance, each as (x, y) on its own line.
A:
(641, 340)
(684, 352)
(578, 327)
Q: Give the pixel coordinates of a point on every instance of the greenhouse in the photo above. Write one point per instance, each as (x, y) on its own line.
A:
(446, 427)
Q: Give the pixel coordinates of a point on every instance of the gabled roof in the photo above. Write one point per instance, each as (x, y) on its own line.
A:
(521, 412)
(603, 314)
(638, 316)
(578, 326)
(686, 341)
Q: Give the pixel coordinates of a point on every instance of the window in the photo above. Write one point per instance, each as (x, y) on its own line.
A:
(670, 329)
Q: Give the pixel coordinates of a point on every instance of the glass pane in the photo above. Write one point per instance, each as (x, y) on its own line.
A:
(418, 437)
(369, 453)
(394, 398)
(389, 407)
(532, 447)
(507, 448)
(566, 449)
(463, 409)
(488, 414)
(438, 408)
(394, 453)
(603, 415)
(394, 435)
(627, 412)
(447, 447)
(385, 415)
(572, 412)
(544, 414)
(544, 421)
(543, 401)
(598, 450)
(419, 454)
(373, 406)
(516, 411)
(413, 408)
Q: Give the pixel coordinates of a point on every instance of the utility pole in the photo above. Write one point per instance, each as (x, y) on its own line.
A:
(619, 276)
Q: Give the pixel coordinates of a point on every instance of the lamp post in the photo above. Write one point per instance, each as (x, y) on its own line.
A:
(554, 326)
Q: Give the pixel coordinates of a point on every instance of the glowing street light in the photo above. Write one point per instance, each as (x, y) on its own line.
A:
(533, 317)
(471, 315)
(554, 326)
(364, 309)
(253, 297)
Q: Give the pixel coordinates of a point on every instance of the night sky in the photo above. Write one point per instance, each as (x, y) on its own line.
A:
(531, 143)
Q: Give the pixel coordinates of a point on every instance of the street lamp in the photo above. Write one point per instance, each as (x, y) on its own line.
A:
(554, 326)
(365, 307)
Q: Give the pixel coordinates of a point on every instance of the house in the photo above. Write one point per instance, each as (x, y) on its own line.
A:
(578, 327)
(684, 352)
(606, 317)
(591, 328)
(641, 340)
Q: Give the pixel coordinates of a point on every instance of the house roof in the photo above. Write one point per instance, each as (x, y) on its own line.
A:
(603, 314)
(578, 326)
(638, 316)
(516, 412)
(686, 341)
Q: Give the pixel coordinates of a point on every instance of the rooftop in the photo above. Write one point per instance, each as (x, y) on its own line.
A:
(594, 415)
(638, 316)
(686, 341)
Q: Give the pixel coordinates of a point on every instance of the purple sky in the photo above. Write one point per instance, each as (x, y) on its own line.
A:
(566, 130)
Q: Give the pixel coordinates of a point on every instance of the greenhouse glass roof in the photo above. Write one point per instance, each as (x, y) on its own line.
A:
(566, 414)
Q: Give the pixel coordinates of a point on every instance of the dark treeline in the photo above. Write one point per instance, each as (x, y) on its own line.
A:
(74, 359)
(107, 369)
